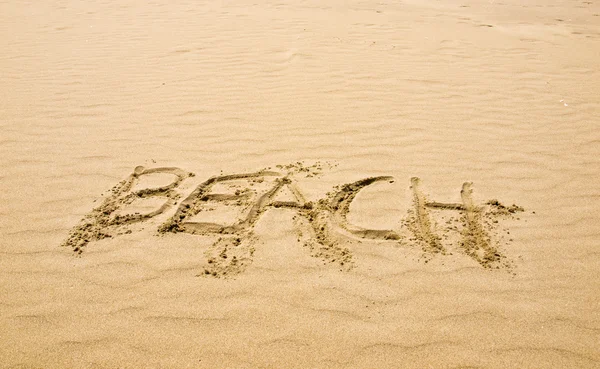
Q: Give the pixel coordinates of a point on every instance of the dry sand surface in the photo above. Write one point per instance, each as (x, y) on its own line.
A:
(300, 184)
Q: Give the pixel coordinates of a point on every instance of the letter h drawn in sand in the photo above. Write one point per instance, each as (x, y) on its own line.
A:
(475, 239)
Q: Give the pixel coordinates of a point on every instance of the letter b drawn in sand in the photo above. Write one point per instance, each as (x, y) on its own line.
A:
(107, 220)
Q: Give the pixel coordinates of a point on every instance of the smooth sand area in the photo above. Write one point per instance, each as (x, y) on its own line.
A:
(300, 184)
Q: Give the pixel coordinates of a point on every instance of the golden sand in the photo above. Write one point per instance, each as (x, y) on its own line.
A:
(300, 184)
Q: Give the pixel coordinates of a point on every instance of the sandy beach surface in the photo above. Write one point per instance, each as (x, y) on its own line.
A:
(300, 184)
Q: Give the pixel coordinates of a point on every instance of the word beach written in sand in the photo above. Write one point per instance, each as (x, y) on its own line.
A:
(323, 225)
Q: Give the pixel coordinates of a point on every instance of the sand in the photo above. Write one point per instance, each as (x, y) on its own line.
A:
(300, 184)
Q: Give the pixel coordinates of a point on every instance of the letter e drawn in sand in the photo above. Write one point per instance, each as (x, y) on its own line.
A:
(231, 253)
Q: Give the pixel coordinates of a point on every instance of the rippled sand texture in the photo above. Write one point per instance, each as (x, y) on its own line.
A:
(495, 92)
